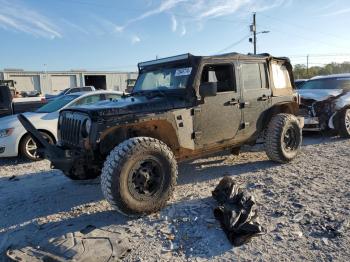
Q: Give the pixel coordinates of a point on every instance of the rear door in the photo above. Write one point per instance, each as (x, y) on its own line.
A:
(256, 95)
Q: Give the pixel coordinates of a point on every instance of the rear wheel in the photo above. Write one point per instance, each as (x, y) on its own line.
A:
(139, 176)
(344, 123)
(283, 138)
(29, 149)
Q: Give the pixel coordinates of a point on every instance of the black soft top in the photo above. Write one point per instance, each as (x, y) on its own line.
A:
(196, 59)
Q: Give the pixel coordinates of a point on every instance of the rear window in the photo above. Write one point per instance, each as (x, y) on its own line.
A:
(86, 88)
(328, 83)
(281, 78)
(56, 104)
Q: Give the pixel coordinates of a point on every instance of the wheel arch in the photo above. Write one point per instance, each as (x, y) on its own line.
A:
(162, 130)
(26, 133)
(286, 107)
(337, 116)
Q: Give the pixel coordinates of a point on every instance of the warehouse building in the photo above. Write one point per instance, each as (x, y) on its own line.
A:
(55, 81)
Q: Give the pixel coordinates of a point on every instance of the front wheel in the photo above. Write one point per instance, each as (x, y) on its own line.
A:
(29, 149)
(344, 123)
(283, 138)
(139, 176)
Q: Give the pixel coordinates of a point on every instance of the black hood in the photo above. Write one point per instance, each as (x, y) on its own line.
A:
(133, 105)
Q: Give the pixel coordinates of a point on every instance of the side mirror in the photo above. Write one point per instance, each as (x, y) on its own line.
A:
(208, 89)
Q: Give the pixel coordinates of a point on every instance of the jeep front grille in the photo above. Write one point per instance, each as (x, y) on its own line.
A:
(70, 128)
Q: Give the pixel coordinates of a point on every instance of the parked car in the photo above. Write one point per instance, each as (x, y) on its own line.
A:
(15, 140)
(70, 90)
(181, 107)
(299, 82)
(10, 105)
(325, 103)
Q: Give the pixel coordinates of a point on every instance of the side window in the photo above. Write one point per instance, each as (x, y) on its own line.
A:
(222, 74)
(251, 77)
(88, 100)
(112, 96)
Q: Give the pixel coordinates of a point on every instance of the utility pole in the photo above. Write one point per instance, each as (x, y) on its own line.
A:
(254, 32)
(307, 66)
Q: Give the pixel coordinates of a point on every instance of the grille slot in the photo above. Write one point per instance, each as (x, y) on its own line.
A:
(70, 129)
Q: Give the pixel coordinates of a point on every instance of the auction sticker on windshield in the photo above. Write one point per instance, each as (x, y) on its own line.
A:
(183, 71)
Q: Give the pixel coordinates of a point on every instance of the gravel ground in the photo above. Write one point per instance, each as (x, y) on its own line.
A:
(304, 206)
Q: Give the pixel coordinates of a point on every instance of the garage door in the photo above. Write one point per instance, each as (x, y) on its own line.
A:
(59, 83)
(26, 83)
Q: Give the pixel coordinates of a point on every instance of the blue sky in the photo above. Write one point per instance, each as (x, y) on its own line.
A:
(115, 35)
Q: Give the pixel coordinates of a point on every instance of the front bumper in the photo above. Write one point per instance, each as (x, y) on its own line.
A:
(312, 124)
(9, 146)
(60, 158)
(65, 161)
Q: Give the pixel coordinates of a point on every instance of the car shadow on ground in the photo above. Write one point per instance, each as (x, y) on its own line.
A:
(13, 161)
(196, 173)
(314, 138)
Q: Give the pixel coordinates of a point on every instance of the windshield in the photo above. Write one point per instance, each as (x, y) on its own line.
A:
(327, 83)
(163, 79)
(57, 104)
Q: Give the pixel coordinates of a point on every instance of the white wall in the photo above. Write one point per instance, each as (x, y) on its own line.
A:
(52, 82)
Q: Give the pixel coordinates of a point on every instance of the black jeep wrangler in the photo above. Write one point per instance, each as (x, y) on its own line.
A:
(181, 107)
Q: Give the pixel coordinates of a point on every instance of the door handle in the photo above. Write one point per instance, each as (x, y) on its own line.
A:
(263, 98)
(233, 102)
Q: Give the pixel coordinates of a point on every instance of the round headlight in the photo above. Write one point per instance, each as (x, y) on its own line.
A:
(86, 127)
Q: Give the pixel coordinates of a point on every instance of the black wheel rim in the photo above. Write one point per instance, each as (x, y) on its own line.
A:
(291, 139)
(146, 178)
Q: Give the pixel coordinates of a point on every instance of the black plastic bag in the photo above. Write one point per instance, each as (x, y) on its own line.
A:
(236, 212)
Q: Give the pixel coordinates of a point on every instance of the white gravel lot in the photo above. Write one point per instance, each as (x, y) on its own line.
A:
(304, 207)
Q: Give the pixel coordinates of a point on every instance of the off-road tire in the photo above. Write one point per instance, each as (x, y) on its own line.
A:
(343, 123)
(276, 131)
(23, 150)
(119, 165)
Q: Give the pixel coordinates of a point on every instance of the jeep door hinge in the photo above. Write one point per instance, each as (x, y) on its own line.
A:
(244, 125)
(244, 104)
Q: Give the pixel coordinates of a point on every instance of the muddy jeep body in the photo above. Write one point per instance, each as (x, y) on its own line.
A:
(208, 114)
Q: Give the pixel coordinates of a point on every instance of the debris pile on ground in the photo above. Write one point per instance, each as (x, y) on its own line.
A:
(236, 212)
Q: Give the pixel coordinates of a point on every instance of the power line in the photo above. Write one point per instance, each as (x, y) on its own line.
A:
(302, 27)
(233, 44)
(322, 55)
(308, 39)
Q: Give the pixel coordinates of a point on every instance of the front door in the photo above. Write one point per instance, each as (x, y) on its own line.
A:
(217, 120)
(256, 95)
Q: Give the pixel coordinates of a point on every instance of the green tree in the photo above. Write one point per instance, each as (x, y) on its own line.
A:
(301, 72)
